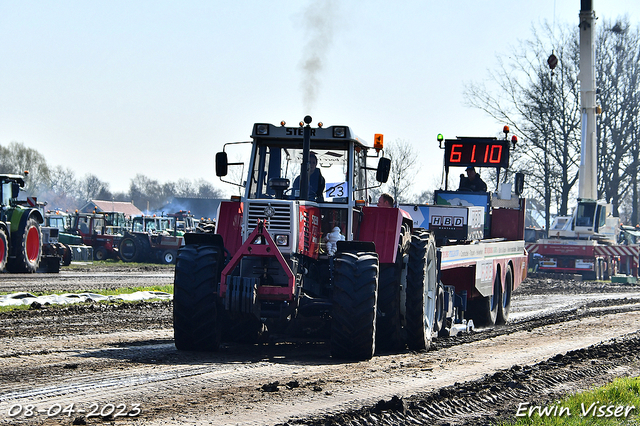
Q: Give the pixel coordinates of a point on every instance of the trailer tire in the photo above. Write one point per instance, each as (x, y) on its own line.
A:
(27, 248)
(4, 249)
(196, 325)
(422, 287)
(130, 249)
(484, 310)
(355, 294)
(505, 305)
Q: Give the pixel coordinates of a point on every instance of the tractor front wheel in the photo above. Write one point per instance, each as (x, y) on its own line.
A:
(422, 288)
(100, 253)
(66, 256)
(27, 248)
(169, 257)
(4, 249)
(196, 325)
(355, 294)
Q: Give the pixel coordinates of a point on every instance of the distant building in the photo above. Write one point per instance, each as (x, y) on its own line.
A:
(112, 206)
(199, 207)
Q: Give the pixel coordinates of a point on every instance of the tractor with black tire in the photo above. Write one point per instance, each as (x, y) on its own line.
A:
(154, 238)
(73, 246)
(20, 234)
(101, 231)
(305, 256)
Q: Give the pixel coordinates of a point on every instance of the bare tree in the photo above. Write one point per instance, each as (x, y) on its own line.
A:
(618, 77)
(92, 188)
(17, 158)
(403, 162)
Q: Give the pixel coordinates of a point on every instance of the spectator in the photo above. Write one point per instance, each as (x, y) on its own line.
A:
(385, 200)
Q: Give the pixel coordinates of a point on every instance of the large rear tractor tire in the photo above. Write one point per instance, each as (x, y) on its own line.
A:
(422, 287)
(389, 333)
(130, 249)
(505, 305)
(196, 325)
(484, 310)
(4, 249)
(355, 294)
(27, 248)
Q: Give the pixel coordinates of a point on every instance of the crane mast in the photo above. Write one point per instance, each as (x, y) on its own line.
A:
(587, 186)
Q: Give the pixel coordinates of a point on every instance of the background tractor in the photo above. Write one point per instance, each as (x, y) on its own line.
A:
(156, 238)
(20, 235)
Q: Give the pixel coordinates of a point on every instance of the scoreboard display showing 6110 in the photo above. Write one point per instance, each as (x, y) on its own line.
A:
(476, 152)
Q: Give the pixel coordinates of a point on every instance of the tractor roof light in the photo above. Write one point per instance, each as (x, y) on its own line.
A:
(505, 130)
(339, 132)
(378, 141)
(514, 140)
(283, 123)
(320, 124)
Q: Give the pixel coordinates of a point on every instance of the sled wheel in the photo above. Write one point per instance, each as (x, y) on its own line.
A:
(195, 302)
(355, 293)
(484, 310)
(505, 305)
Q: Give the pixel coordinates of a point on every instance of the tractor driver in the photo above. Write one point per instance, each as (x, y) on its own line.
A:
(316, 180)
(472, 182)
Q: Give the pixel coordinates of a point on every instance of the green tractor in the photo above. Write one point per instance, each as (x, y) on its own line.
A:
(20, 234)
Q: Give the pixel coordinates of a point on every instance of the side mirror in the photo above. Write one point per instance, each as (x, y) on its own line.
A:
(519, 183)
(384, 167)
(222, 164)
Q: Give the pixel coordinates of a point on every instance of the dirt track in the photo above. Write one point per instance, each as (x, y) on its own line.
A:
(124, 355)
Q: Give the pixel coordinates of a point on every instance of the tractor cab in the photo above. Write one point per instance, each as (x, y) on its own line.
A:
(10, 189)
(304, 187)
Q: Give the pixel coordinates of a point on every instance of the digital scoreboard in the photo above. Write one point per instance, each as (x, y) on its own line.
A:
(476, 152)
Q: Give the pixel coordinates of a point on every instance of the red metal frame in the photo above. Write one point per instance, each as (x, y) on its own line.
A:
(266, 249)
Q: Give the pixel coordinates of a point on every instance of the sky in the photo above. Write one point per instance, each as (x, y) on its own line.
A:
(120, 88)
